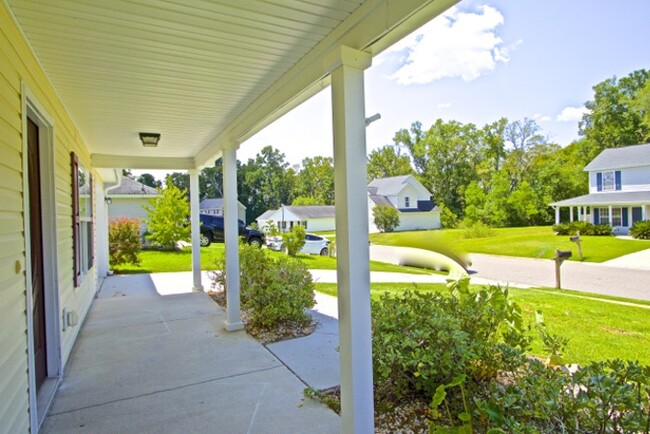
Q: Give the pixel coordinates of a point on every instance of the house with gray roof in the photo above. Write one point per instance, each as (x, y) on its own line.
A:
(128, 198)
(405, 193)
(619, 190)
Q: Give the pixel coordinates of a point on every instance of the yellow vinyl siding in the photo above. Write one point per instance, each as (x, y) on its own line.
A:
(18, 66)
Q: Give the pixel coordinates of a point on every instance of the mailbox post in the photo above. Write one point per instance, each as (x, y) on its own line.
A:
(560, 256)
(576, 239)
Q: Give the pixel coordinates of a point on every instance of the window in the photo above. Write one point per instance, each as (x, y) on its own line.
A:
(304, 224)
(603, 216)
(616, 217)
(82, 215)
(407, 202)
(609, 181)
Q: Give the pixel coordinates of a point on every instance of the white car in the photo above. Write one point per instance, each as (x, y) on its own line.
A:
(314, 244)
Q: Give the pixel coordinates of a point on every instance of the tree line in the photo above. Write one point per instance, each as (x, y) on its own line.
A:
(504, 173)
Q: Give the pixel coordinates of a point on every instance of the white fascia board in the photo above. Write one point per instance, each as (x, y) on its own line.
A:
(373, 27)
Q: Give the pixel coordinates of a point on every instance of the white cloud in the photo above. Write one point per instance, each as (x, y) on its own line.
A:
(456, 44)
(571, 114)
(541, 118)
(444, 105)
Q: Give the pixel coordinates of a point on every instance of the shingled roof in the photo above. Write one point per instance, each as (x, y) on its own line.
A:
(130, 186)
(620, 158)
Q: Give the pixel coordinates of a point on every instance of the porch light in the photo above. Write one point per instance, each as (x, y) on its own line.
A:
(150, 140)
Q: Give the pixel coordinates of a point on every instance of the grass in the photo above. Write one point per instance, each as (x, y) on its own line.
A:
(154, 261)
(597, 327)
(529, 242)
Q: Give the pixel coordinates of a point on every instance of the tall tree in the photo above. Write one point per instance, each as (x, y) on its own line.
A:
(388, 161)
(316, 180)
(168, 214)
(614, 120)
(445, 158)
(211, 181)
(150, 180)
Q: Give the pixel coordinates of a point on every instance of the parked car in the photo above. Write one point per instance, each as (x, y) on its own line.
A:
(314, 244)
(212, 231)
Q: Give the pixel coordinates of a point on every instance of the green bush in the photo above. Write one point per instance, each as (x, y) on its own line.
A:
(294, 240)
(448, 219)
(477, 230)
(168, 217)
(584, 228)
(386, 218)
(275, 292)
(124, 241)
(641, 230)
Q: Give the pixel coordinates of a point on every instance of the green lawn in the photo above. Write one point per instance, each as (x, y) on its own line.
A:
(530, 242)
(597, 328)
(159, 262)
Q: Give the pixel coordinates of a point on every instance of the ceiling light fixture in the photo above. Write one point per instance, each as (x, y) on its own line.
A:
(150, 140)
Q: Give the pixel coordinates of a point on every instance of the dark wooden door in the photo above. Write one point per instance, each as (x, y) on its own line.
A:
(36, 235)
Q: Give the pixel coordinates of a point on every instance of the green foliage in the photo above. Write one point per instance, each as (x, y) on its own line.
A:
(448, 219)
(306, 200)
(315, 180)
(388, 161)
(474, 203)
(386, 218)
(294, 240)
(150, 180)
(275, 292)
(641, 230)
(124, 242)
(168, 217)
(584, 228)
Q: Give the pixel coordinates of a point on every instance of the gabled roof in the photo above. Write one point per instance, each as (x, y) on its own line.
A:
(621, 158)
(130, 186)
(214, 203)
(380, 200)
(388, 186)
(267, 214)
(312, 211)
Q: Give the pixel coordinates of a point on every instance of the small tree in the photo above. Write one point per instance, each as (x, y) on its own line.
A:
(168, 217)
(124, 241)
(294, 240)
(386, 218)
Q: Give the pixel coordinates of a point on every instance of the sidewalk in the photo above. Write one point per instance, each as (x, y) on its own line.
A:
(152, 363)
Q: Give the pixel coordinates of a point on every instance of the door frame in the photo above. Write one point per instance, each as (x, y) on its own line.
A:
(40, 402)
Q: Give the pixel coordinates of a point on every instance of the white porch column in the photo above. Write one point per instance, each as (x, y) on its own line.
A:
(570, 213)
(196, 230)
(231, 238)
(611, 220)
(579, 213)
(353, 269)
(557, 215)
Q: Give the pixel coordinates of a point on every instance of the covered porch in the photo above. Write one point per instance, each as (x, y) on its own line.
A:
(154, 357)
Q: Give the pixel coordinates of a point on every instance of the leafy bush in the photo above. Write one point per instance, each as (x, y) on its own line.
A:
(477, 230)
(448, 219)
(294, 240)
(584, 228)
(124, 241)
(386, 218)
(168, 217)
(275, 292)
(641, 230)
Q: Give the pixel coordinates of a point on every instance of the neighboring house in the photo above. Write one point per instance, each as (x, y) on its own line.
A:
(405, 193)
(619, 190)
(313, 218)
(215, 207)
(128, 200)
(410, 197)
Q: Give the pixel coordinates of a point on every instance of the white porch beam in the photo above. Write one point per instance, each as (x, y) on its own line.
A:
(353, 269)
(103, 161)
(231, 238)
(196, 230)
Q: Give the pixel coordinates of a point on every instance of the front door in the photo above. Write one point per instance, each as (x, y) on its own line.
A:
(637, 214)
(36, 239)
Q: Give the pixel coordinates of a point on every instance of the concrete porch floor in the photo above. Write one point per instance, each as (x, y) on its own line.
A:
(151, 363)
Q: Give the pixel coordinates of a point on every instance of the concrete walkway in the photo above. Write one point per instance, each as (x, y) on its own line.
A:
(149, 363)
(636, 261)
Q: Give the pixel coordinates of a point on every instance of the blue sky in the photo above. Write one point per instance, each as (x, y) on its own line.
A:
(481, 61)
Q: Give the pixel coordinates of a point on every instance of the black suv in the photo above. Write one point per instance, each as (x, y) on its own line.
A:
(212, 231)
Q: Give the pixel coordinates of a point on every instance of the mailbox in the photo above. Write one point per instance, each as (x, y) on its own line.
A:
(563, 254)
(575, 238)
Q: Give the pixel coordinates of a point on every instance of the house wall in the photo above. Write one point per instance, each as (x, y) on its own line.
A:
(19, 68)
(632, 179)
(409, 221)
(410, 192)
(323, 224)
(241, 211)
(130, 207)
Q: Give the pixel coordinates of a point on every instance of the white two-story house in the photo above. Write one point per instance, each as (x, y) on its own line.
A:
(619, 189)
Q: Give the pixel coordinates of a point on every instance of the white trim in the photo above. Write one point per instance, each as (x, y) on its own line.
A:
(33, 110)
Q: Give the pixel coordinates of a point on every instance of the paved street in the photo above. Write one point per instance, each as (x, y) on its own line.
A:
(587, 277)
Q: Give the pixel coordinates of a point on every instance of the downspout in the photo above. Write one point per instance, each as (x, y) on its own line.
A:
(103, 263)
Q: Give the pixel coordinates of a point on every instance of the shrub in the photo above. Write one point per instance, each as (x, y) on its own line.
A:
(275, 292)
(641, 230)
(584, 228)
(477, 230)
(168, 217)
(386, 218)
(294, 240)
(448, 219)
(124, 241)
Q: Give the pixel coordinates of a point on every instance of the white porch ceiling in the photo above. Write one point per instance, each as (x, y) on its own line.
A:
(204, 74)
